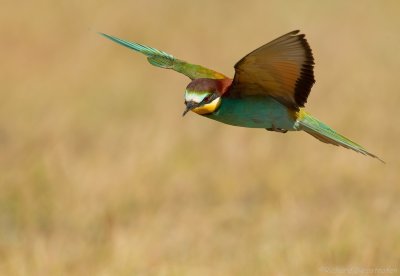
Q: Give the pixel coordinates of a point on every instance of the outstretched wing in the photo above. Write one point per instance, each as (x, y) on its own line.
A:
(164, 60)
(282, 69)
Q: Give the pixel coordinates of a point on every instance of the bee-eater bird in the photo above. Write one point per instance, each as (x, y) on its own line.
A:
(269, 89)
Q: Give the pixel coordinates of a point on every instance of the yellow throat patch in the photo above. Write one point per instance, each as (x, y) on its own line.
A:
(208, 108)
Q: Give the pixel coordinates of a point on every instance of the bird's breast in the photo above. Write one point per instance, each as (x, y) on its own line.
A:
(254, 112)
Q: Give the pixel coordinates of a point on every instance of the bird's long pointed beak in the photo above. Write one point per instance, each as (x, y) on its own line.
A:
(186, 111)
(189, 106)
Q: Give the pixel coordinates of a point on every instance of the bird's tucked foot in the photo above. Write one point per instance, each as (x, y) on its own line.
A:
(277, 129)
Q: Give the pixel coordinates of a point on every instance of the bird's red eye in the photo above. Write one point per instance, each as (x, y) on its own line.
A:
(207, 99)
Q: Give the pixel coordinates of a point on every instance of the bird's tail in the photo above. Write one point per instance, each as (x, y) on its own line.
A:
(327, 135)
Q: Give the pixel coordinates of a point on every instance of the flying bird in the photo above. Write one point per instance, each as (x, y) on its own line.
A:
(269, 90)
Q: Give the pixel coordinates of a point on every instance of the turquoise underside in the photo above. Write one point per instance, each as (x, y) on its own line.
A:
(254, 112)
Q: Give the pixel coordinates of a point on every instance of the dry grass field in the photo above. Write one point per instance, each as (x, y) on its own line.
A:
(100, 174)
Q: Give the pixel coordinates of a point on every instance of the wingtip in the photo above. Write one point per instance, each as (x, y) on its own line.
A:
(105, 35)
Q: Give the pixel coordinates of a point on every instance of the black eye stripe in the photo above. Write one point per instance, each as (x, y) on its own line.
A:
(209, 98)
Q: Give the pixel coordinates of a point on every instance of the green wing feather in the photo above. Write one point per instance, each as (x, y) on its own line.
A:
(164, 60)
(327, 135)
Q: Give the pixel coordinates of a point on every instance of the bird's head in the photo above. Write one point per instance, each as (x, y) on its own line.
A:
(203, 96)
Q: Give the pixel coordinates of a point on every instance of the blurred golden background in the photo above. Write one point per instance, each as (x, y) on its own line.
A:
(100, 174)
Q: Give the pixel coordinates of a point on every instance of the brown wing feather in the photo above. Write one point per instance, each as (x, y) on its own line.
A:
(282, 68)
